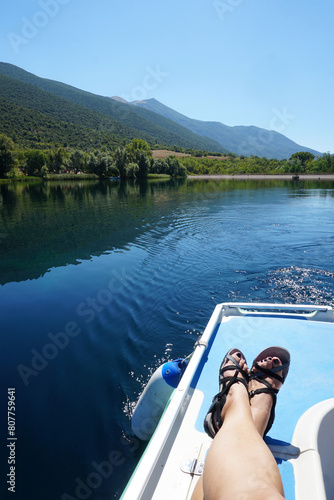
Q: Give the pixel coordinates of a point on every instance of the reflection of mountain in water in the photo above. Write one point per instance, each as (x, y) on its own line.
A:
(45, 225)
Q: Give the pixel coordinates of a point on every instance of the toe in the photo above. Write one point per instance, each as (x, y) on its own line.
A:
(243, 365)
(268, 363)
(239, 357)
(276, 361)
(241, 360)
(271, 362)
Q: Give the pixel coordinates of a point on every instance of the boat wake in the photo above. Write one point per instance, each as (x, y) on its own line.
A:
(301, 285)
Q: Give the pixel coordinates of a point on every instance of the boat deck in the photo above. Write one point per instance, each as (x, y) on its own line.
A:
(310, 379)
(302, 436)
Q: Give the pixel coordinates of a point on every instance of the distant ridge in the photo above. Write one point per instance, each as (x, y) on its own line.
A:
(51, 107)
(122, 121)
(242, 140)
(119, 99)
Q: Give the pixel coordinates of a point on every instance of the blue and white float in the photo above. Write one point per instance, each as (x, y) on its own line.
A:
(155, 397)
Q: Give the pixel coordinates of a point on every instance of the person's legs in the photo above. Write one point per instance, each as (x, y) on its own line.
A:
(239, 465)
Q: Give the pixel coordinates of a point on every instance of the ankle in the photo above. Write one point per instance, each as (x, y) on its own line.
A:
(236, 399)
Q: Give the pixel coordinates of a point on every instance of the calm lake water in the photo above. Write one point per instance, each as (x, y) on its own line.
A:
(102, 282)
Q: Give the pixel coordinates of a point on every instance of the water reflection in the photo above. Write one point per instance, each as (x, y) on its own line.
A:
(48, 224)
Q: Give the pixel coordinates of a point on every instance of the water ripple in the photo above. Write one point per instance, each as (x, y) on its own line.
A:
(301, 285)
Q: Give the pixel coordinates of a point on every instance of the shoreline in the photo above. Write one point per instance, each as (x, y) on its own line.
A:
(289, 177)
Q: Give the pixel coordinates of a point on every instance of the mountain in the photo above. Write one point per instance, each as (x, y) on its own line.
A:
(35, 118)
(242, 140)
(31, 129)
(120, 122)
(37, 112)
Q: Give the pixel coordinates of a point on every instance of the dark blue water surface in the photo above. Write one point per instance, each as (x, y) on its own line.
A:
(102, 282)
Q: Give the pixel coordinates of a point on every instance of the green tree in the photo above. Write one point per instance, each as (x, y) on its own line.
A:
(92, 164)
(304, 157)
(78, 161)
(44, 171)
(56, 160)
(327, 162)
(121, 159)
(138, 145)
(143, 163)
(174, 167)
(158, 166)
(7, 158)
(34, 161)
(102, 165)
(113, 171)
(132, 170)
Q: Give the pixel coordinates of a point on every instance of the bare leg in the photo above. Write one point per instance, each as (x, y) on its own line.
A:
(239, 465)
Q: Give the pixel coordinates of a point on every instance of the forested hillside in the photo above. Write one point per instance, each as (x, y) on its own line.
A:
(66, 103)
(31, 129)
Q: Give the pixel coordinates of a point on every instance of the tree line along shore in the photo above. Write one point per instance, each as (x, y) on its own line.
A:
(137, 160)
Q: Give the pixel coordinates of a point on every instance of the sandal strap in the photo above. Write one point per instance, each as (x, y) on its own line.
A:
(264, 382)
(265, 390)
(273, 393)
(268, 389)
(229, 381)
(237, 368)
(266, 372)
(279, 368)
(231, 358)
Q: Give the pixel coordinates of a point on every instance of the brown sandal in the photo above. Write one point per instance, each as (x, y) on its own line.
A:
(262, 373)
(213, 421)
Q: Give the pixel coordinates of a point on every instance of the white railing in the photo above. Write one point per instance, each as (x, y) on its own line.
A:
(307, 311)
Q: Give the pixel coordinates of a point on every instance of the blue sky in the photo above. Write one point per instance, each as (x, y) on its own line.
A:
(267, 63)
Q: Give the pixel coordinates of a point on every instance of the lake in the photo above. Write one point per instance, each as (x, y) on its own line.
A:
(101, 282)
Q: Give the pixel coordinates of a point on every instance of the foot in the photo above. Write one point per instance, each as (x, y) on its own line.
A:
(233, 379)
(263, 403)
(237, 387)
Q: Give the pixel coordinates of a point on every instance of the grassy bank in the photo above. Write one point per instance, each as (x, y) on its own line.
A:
(50, 177)
(70, 177)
